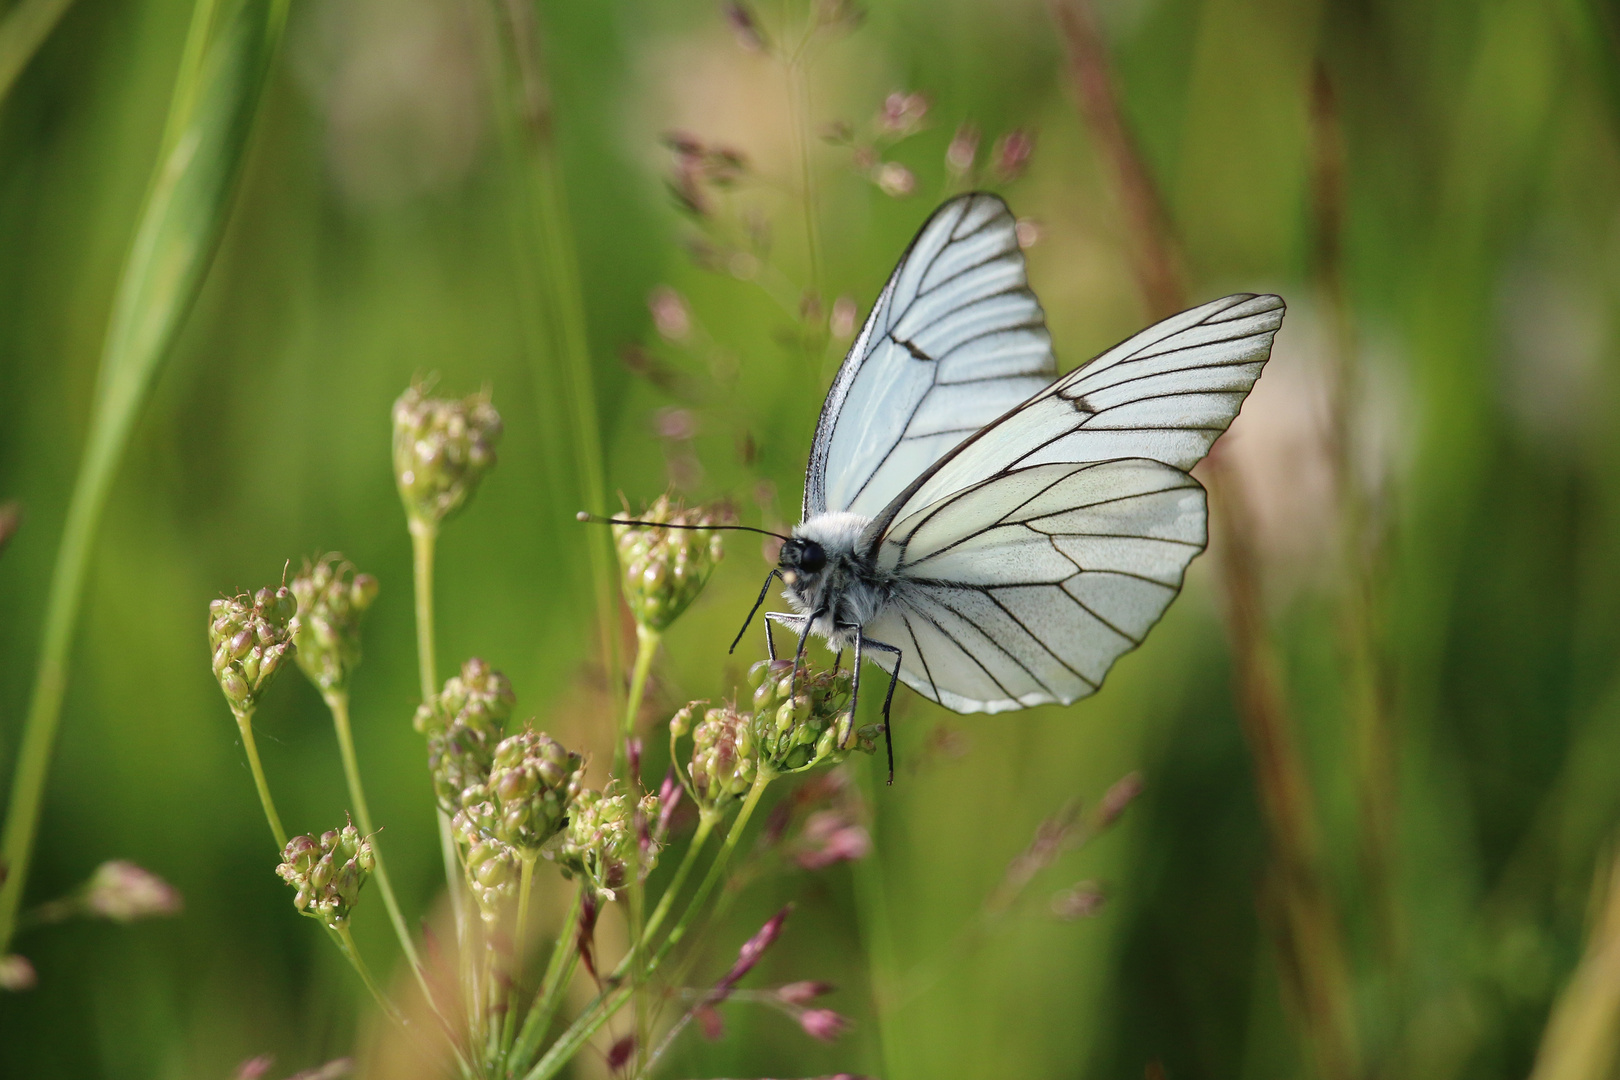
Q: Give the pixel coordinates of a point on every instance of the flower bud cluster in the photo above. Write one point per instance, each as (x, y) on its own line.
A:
(442, 449)
(607, 832)
(250, 636)
(463, 723)
(806, 720)
(331, 598)
(327, 873)
(123, 892)
(665, 569)
(724, 758)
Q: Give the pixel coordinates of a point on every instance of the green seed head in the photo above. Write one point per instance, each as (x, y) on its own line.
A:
(250, 637)
(463, 723)
(665, 569)
(532, 782)
(442, 449)
(493, 873)
(602, 838)
(327, 873)
(798, 724)
(331, 598)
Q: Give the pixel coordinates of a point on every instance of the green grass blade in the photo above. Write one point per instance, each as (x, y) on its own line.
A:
(215, 100)
(22, 32)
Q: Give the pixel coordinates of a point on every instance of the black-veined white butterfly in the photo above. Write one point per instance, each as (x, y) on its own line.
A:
(990, 537)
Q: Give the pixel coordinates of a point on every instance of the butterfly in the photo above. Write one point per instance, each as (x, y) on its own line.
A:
(988, 534)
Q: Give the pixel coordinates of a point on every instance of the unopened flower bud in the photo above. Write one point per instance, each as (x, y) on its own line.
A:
(902, 113)
(327, 873)
(442, 449)
(493, 873)
(831, 836)
(963, 149)
(463, 723)
(665, 569)
(331, 598)
(1010, 156)
(804, 991)
(895, 179)
(17, 974)
(823, 1024)
(250, 636)
(123, 892)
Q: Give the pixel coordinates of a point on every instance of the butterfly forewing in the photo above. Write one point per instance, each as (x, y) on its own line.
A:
(1166, 394)
(1025, 588)
(955, 339)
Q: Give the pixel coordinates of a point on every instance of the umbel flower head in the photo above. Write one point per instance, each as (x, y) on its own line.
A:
(600, 842)
(532, 782)
(665, 569)
(463, 723)
(123, 892)
(442, 449)
(331, 598)
(724, 759)
(250, 637)
(493, 873)
(327, 873)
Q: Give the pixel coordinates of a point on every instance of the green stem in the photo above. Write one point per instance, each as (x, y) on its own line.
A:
(705, 826)
(559, 971)
(750, 801)
(520, 950)
(22, 32)
(244, 724)
(423, 536)
(646, 648)
(338, 702)
(352, 954)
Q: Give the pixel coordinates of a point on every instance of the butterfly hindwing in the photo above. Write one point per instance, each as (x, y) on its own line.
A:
(1025, 588)
(955, 339)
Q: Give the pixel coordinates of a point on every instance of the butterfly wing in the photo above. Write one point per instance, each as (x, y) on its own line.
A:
(1166, 394)
(1032, 555)
(1024, 589)
(955, 339)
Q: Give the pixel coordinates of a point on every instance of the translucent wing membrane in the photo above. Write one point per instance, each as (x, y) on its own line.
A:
(1166, 395)
(955, 339)
(1025, 588)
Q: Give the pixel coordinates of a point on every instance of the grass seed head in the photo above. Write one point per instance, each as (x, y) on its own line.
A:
(327, 873)
(331, 599)
(665, 569)
(463, 723)
(250, 637)
(442, 450)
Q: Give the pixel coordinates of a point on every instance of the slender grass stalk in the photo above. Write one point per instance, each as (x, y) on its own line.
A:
(351, 952)
(23, 30)
(338, 702)
(1307, 928)
(244, 724)
(647, 642)
(216, 97)
(1582, 1037)
(672, 891)
(532, 138)
(520, 951)
(762, 779)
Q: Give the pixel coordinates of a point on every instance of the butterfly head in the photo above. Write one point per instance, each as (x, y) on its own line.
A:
(800, 559)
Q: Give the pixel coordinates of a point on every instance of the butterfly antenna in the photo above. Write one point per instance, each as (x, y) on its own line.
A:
(752, 611)
(597, 519)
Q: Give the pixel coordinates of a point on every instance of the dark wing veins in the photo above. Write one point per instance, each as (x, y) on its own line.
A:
(911, 347)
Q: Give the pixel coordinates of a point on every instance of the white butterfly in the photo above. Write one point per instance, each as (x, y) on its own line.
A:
(996, 538)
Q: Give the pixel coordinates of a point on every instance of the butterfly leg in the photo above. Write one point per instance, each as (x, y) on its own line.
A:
(786, 619)
(888, 699)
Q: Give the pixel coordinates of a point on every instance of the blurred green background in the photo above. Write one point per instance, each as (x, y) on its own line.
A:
(378, 234)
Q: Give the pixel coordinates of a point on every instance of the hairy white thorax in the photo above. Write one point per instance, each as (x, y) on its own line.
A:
(849, 591)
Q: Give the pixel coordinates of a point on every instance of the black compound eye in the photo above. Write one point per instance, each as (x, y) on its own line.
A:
(811, 557)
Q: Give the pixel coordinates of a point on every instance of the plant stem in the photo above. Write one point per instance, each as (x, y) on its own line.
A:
(22, 31)
(179, 225)
(559, 970)
(1583, 1034)
(520, 950)
(750, 801)
(338, 702)
(423, 538)
(646, 648)
(705, 826)
(244, 724)
(352, 953)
